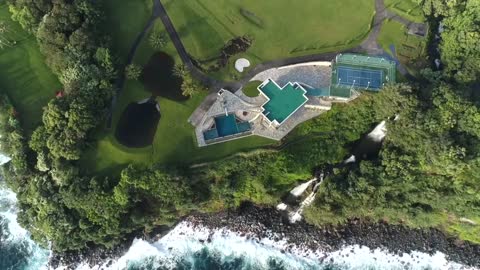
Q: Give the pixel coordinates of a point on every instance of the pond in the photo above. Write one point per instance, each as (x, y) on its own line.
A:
(138, 124)
(158, 77)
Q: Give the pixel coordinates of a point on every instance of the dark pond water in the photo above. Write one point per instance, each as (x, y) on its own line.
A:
(138, 124)
(158, 77)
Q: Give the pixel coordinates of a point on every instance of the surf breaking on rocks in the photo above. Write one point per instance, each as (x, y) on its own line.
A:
(190, 246)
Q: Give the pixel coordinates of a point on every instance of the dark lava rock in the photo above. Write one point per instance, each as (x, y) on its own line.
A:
(256, 222)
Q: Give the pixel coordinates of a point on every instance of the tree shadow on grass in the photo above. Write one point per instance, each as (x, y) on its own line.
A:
(158, 77)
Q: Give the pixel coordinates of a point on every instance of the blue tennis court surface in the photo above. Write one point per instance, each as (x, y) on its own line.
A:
(360, 78)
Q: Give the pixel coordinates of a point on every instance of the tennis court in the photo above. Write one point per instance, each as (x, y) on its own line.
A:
(361, 78)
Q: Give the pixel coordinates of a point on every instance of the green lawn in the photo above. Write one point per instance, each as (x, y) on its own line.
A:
(174, 141)
(251, 89)
(24, 77)
(311, 26)
(124, 20)
(409, 49)
(407, 9)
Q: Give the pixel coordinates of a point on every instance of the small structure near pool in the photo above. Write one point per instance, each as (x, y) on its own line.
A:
(308, 90)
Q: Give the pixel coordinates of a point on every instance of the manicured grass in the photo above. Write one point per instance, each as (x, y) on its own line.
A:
(286, 29)
(407, 9)
(251, 89)
(409, 49)
(174, 141)
(124, 20)
(24, 77)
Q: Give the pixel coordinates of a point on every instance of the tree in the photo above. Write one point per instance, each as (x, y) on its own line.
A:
(157, 40)
(29, 13)
(459, 48)
(190, 86)
(440, 7)
(5, 40)
(160, 186)
(133, 72)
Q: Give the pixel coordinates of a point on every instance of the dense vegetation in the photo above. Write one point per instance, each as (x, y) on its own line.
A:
(428, 165)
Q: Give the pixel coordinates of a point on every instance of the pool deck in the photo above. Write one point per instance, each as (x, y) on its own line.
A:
(304, 113)
(224, 102)
(313, 75)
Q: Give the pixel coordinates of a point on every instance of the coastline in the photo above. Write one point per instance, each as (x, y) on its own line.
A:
(257, 222)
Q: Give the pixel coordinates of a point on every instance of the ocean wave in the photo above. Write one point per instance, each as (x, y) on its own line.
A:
(189, 247)
(17, 250)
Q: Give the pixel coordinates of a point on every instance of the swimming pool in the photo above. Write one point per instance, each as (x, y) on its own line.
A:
(282, 101)
(226, 125)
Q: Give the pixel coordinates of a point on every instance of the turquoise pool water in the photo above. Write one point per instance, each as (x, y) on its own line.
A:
(226, 125)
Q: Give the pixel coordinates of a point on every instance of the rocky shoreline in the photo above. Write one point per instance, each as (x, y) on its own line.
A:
(257, 222)
(260, 222)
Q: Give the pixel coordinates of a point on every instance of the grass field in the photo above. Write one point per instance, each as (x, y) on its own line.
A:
(174, 141)
(124, 20)
(251, 89)
(24, 77)
(409, 49)
(278, 28)
(407, 9)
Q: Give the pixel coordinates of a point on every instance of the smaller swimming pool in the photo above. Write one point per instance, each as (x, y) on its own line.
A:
(226, 125)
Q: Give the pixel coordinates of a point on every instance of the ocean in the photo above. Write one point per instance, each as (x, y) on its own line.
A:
(17, 250)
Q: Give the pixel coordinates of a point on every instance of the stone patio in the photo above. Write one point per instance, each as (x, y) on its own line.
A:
(225, 103)
(262, 128)
(313, 75)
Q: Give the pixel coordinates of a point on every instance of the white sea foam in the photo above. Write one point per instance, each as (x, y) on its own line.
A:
(8, 200)
(185, 240)
(17, 234)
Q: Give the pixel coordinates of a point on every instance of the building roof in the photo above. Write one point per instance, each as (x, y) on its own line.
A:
(282, 101)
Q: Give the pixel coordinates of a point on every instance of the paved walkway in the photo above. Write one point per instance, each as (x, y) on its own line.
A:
(370, 44)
